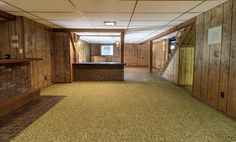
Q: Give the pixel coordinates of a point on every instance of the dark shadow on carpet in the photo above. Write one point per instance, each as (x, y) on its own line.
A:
(16, 121)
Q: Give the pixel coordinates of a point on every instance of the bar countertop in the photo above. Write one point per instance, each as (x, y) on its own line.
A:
(99, 63)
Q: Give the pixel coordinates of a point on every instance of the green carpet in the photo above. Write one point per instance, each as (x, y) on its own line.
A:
(126, 112)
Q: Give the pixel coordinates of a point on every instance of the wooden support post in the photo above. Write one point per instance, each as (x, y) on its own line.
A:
(122, 44)
(150, 56)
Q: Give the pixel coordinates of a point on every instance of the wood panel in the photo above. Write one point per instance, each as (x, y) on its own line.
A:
(198, 56)
(34, 41)
(214, 62)
(225, 56)
(62, 60)
(231, 106)
(217, 73)
(205, 57)
(134, 54)
(186, 66)
(160, 54)
(9, 29)
(38, 44)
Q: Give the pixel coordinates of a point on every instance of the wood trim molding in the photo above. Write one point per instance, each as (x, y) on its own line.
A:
(7, 16)
(171, 30)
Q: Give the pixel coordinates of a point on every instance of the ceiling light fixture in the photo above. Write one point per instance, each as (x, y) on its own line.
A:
(109, 23)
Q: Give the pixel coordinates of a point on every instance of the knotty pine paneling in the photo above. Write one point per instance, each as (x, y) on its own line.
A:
(215, 64)
(62, 60)
(38, 44)
(35, 41)
(231, 102)
(160, 54)
(134, 55)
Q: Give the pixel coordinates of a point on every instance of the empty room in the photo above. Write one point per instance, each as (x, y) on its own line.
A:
(118, 70)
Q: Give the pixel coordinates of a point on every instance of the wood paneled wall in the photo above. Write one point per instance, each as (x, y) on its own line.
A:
(38, 44)
(62, 59)
(35, 41)
(135, 55)
(160, 54)
(214, 71)
(96, 54)
(186, 55)
(180, 68)
(7, 30)
(83, 51)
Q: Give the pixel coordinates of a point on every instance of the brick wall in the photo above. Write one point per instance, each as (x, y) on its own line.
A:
(98, 72)
(14, 80)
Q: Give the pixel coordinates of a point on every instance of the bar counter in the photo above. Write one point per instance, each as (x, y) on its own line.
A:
(98, 71)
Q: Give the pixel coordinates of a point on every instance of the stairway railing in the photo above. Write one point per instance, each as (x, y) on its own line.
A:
(181, 39)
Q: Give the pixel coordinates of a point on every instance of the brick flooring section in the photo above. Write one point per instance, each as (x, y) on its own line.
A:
(16, 121)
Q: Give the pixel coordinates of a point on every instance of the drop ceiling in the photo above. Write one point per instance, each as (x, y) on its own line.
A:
(150, 17)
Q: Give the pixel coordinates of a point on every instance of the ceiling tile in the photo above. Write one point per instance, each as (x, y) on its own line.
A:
(207, 5)
(165, 6)
(104, 5)
(100, 39)
(60, 16)
(107, 16)
(77, 26)
(24, 14)
(108, 27)
(72, 23)
(148, 24)
(188, 16)
(155, 16)
(6, 7)
(43, 5)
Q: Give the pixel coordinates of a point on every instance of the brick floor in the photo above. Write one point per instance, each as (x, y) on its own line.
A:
(16, 121)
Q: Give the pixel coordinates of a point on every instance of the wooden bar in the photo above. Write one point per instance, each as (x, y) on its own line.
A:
(14, 61)
(101, 71)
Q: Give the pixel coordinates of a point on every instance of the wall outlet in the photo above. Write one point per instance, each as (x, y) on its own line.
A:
(222, 94)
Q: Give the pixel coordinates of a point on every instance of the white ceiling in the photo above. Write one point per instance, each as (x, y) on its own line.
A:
(150, 17)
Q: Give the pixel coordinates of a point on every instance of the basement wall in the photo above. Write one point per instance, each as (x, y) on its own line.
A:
(134, 55)
(24, 38)
(160, 54)
(215, 65)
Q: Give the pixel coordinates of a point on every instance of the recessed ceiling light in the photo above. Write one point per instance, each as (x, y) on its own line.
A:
(109, 23)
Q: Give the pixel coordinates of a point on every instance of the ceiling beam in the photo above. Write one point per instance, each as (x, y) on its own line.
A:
(91, 30)
(7, 16)
(171, 30)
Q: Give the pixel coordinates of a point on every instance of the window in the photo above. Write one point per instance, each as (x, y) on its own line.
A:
(172, 43)
(107, 50)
